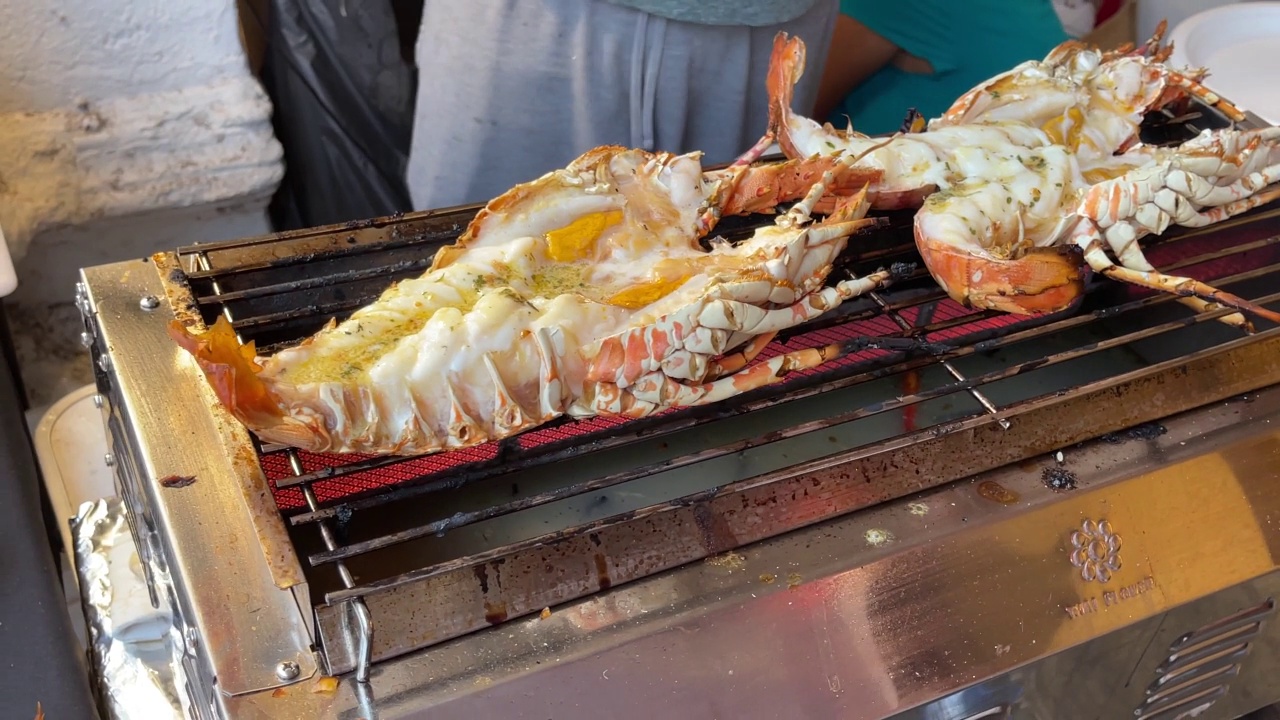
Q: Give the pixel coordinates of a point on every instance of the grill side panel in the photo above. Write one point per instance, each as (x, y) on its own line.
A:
(199, 505)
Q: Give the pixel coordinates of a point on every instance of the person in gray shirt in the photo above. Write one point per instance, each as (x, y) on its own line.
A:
(509, 90)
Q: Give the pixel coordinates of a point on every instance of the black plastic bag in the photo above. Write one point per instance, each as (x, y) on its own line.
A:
(343, 92)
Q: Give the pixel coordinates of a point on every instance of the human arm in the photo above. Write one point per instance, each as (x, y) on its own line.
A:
(857, 52)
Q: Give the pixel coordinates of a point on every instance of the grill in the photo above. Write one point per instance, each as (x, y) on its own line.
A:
(454, 582)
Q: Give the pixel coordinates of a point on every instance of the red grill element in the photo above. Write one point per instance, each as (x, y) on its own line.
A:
(1173, 257)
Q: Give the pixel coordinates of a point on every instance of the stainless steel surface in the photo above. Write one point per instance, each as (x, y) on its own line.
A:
(200, 507)
(950, 603)
(136, 682)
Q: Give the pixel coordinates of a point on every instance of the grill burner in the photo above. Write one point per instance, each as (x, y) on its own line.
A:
(424, 550)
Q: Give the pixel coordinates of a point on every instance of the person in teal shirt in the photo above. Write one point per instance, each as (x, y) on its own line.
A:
(889, 57)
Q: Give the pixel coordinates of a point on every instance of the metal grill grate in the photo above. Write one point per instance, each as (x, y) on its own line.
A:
(924, 315)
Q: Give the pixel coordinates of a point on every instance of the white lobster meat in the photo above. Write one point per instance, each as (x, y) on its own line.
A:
(1034, 176)
(585, 292)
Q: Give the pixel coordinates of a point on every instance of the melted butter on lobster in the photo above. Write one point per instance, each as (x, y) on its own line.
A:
(1034, 177)
(584, 292)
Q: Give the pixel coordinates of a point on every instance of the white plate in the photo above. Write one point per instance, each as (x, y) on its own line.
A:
(1240, 45)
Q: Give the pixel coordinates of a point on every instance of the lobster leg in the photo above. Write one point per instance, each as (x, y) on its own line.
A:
(1196, 89)
(1093, 242)
(728, 183)
(685, 344)
(1211, 178)
(730, 364)
(1139, 263)
(656, 391)
(721, 318)
(1174, 284)
(1178, 204)
(856, 206)
(747, 318)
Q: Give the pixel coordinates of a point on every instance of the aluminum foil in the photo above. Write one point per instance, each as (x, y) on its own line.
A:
(136, 650)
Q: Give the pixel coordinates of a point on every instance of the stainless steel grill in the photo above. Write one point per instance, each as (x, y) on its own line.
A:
(284, 564)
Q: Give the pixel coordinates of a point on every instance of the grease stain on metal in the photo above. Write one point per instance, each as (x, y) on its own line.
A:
(1058, 478)
(994, 491)
(495, 612)
(1145, 431)
(876, 538)
(730, 561)
(602, 572)
(325, 685)
(177, 481)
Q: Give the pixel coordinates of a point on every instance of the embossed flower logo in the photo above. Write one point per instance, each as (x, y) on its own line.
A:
(1095, 549)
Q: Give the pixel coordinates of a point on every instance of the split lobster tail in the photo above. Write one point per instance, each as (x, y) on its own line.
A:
(232, 371)
(1042, 281)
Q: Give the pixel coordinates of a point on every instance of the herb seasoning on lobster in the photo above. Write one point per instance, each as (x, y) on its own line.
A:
(585, 292)
(1031, 178)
